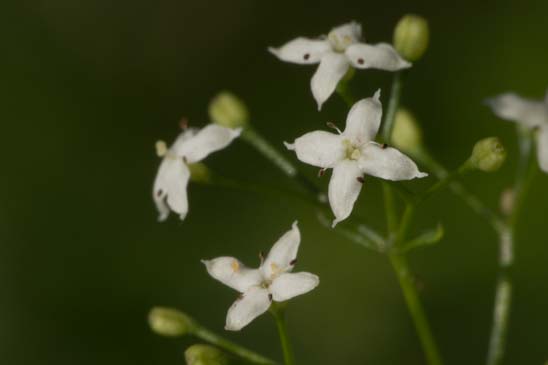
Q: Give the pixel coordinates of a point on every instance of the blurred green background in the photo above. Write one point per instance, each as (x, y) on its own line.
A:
(87, 88)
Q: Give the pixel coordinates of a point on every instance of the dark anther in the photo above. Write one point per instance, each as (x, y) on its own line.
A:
(159, 193)
(360, 61)
(321, 172)
(261, 256)
(331, 125)
(270, 297)
(184, 159)
(183, 123)
(240, 297)
(306, 56)
(293, 262)
(384, 145)
(360, 179)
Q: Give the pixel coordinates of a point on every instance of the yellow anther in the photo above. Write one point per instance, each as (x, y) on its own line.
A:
(355, 154)
(275, 268)
(235, 265)
(161, 148)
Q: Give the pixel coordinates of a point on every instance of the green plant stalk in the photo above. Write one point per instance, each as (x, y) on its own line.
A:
(213, 338)
(278, 311)
(392, 108)
(503, 295)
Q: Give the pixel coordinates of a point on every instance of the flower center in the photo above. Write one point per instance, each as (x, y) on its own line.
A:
(352, 152)
(339, 42)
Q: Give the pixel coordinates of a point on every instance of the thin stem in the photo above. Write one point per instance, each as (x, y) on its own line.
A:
(393, 104)
(213, 338)
(405, 278)
(278, 311)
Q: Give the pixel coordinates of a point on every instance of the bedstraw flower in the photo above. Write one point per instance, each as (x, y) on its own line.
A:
(532, 114)
(335, 53)
(272, 281)
(353, 153)
(191, 146)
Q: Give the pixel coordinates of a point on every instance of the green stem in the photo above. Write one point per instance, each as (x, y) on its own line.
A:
(278, 311)
(392, 108)
(213, 338)
(405, 278)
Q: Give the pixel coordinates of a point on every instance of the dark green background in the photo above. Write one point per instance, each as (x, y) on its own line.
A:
(89, 86)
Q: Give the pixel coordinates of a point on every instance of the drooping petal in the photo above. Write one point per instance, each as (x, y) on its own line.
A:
(333, 67)
(319, 148)
(381, 56)
(363, 120)
(344, 189)
(344, 35)
(302, 50)
(513, 107)
(169, 191)
(233, 273)
(283, 254)
(387, 163)
(542, 148)
(287, 286)
(252, 304)
(211, 138)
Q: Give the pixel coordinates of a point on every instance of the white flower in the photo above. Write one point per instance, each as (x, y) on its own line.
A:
(259, 287)
(530, 113)
(192, 145)
(335, 54)
(353, 153)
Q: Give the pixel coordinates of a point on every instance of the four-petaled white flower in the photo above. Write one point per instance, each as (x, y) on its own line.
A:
(335, 54)
(191, 146)
(530, 113)
(353, 153)
(272, 281)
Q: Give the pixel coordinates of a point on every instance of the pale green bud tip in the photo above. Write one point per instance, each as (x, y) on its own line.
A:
(411, 37)
(205, 355)
(406, 135)
(228, 110)
(169, 322)
(488, 155)
(199, 172)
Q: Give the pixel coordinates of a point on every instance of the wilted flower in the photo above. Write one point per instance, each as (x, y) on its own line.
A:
(531, 114)
(335, 54)
(191, 146)
(353, 153)
(272, 281)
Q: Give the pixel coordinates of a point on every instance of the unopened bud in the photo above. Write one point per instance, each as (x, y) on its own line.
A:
(488, 155)
(228, 110)
(161, 148)
(205, 355)
(169, 322)
(407, 134)
(411, 37)
(199, 173)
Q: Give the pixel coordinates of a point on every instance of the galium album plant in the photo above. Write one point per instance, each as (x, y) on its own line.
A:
(380, 139)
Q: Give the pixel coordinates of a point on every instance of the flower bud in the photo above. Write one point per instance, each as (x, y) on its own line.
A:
(488, 155)
(406, 135)
(199, 173)
(411, 37)
(205, 355)
(169, 322)
(228, 110)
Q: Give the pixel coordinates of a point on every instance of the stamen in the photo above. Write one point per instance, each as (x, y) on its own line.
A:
(384, 145)
(321, 172)
(306, 56)
(360, 61)
(235, 265)
(183, 123)
(159, 193)
(333, 126)
(293, 262)
(360, 179)
(270, 297)
(161, 148)
(261, 257)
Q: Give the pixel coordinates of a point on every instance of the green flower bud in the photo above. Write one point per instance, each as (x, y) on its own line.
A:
(169, 322)
(488, 155)
(411, 37)
(228, 110)
(199, 173)
(205, 355)
(406, 135)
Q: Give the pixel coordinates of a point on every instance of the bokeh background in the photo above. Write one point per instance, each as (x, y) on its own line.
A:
(88, 86)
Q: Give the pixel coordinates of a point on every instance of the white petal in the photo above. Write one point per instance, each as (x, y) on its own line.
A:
(287, 286)
(388, 163)
(333, 67)
(363, 120)
(344, 35)
(252, 304)
(344, 189)
(381, 56)
(233, 273)
(283, 254)
(170, 185)
(512, 107)
(542, 148)
(183, 137)
(319, 148)
(302, 50)
(209, 139)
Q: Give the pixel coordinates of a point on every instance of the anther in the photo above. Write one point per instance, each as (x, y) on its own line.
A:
(333, 126)
(270, 297)
(360, 61)
(185, 160)
(183, 123)
(293, 262)
(261, 257)
(159, 193)
(321, 172)
(384, 145)
(360, 179)
(306, 56)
